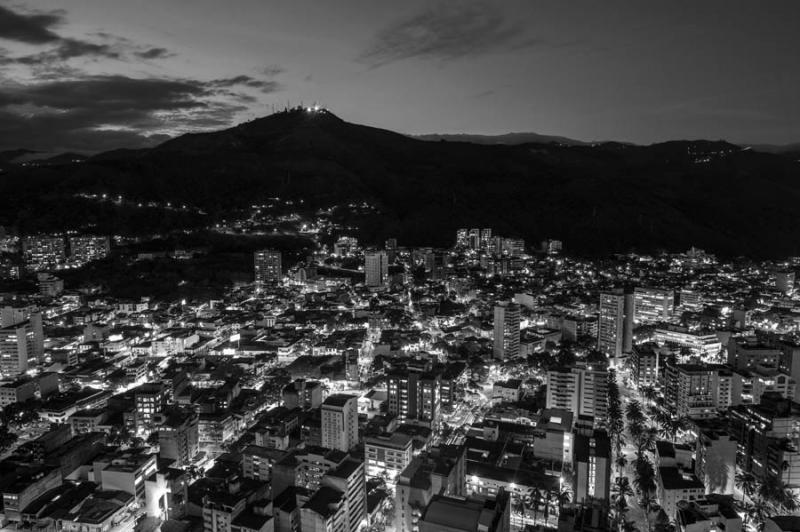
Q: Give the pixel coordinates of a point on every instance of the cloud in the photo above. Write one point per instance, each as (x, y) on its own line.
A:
(273, 70)
(447, 32)
(154, 53)
(28, 28)
(266, 86)
(36, 29)
(95, 113)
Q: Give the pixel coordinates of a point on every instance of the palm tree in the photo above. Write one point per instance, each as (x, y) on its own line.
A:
(621, 462)
(649, 393)
(629, 526)
(745, 482)
(563, 497)
(759, 511)
(747, 509)
(790, 501)
(536, 498)
(623, 487)
(646, 502)
(634, 413)
(646, 441)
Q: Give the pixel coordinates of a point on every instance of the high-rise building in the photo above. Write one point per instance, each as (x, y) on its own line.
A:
(442, 471)
(486, 237)
(340, 422)
(580, 389)
(462, 238)
(715, 459)
(376, 268)
(767, 438)
(414, 395)
(653, 305)
(149, 399)
(644, 362)
(302, 394)
(592, 467)
(83, 249)
(474, 238)
(615, 323)
(268, 267)
(506, 331)
(178, 437)
(387, 454)
(784, 280)
(563, 389)
(15, 314)
(44, 252)
(514, 247)
(17, 345)
(691, 389)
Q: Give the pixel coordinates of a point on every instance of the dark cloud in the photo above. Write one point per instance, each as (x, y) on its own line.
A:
(28, 28)
(446, 32)
(154, 53)
(96, 113)
(266, 86)
(36, 29)
(69, 49)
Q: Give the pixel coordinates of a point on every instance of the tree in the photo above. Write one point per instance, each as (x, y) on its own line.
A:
(661, 523)
(758, 512)
(745, 482)
(563, 497)
(646, 501)
(536, 499)
(621, 462)
(7, 439)
(649, 393)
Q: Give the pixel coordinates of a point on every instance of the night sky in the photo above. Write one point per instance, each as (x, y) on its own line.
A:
(91, 75)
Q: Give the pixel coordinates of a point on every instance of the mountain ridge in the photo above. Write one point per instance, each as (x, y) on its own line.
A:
(598, 199)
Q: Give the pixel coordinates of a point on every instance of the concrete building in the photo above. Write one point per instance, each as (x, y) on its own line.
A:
(784, 280)
(267, 267)
(591, 465)
(19, 313)
(44, 252)
(715, 460)
(581, 389)
(376, 268)
(653, 305)
(690, 387)
(17, 391)
(710, 514)
(615, 323)
(83, 249)
(506, 331)
(414, 396)
(387, 454)
(745, 353)
(340, 422)
(644, 361)
(471, 514)
(442, 472)
(303, 394)
(17, 348)
(674, 485)
(178, 437)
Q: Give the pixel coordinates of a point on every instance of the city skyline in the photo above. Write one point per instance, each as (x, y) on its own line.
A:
(93, 76)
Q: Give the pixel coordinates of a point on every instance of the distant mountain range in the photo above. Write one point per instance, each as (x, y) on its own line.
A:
(507, 138)
(598, 199)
